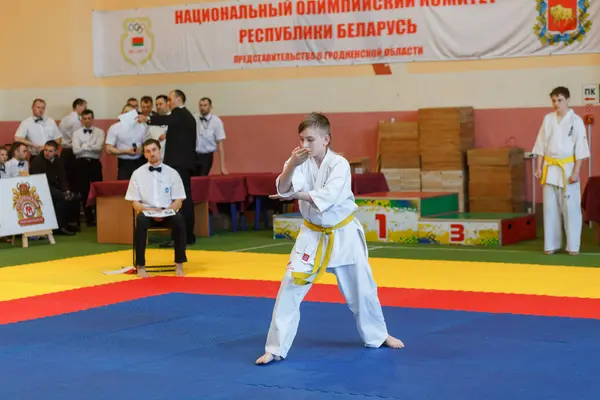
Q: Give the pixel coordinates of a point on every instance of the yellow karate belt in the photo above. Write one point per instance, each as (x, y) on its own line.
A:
(301, 278)
(559, 162)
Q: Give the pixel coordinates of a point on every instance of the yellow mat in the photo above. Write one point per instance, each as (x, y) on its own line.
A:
(72, 273)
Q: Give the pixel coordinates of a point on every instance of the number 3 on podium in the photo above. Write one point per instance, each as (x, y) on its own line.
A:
(457, 233)
(382, 225)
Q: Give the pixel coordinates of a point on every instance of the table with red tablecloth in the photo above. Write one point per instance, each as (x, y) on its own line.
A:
(114, 213)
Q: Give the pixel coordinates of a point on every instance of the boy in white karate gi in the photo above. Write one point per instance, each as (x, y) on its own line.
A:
(561, 146)
(321, 181)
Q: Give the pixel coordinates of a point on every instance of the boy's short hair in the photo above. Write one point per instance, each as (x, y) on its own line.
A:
(557, 91)
(318, 122)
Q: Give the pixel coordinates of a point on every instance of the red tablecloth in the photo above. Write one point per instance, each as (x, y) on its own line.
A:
(236, 188)
(590, 200)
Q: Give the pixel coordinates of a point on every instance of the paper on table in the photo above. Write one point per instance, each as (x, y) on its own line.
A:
(129, 119)
(159, 214)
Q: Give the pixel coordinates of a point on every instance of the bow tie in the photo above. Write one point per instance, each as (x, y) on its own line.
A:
(22, 164)
(158, 169)
(203, 119)
(38, 119)
(87, 131)
(2, 168)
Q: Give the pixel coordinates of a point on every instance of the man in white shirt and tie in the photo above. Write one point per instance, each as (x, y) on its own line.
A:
(17, 165)
(210, 135)
(155, 187)
(36, 130)
(126, 142)
(68, 125)
(88, 143)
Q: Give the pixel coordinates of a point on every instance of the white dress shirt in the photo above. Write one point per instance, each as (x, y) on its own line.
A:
(13, 168)
(123, 139)
(155, 189)
(38, 131)
(155, 132)
(88, 142)
(68, 125)
(208, 133)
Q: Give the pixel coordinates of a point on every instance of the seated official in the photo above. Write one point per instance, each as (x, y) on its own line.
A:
(17, 164)
(153, 187)
(66, 203)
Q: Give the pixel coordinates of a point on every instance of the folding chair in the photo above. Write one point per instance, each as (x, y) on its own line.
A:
(150, 268)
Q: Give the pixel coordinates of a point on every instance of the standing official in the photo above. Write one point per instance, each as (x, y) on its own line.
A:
(210, 135)
(180, 151)
(125, 141)
(36, 130)
(69, 124)
(87, 147)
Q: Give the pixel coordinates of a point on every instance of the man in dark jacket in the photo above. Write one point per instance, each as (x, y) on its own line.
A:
(180, 151)
(66, 203)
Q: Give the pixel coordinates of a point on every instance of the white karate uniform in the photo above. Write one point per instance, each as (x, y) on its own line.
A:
(562, 201)
(330, 189)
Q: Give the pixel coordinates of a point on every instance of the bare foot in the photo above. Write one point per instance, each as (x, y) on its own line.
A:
(267, 358)
(550, 252)
(179, 270)
(393, 342)
(141, 272)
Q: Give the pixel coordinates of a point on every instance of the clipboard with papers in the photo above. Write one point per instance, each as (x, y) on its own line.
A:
(167, 212)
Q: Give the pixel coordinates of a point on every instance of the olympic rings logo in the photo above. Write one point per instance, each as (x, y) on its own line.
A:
(136, 27)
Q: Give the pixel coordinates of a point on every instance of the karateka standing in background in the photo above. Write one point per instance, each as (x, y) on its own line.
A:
(560, 147)
(331, 238)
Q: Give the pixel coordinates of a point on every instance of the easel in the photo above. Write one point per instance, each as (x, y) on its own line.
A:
(25, 237)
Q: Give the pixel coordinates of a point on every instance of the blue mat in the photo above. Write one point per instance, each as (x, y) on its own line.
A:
(180, 346)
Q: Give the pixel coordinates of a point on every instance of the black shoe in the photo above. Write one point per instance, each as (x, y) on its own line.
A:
(63, 231)
(168, 244)
(191, 240)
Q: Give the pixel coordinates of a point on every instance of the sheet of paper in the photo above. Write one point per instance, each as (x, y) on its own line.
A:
(159, 214)
(129, 119)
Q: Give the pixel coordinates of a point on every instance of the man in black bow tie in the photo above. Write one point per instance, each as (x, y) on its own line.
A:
(88, 143)
(17, 165)
(156, 188)
(38, 129)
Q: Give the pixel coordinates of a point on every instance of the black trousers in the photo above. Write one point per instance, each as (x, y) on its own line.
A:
(177, 226)
(204, 162)
(125, 167)
(67, 211)
(187, 206)
(69, 161)
(88, 170)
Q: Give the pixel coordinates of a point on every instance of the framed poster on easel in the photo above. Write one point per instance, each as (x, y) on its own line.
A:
(26, 207)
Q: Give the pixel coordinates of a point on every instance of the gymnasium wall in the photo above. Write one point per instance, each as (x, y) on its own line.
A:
(52, 59)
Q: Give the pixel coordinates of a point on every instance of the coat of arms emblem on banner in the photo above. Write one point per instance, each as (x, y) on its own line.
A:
(562, 21)
(27, 204)
(137, 41)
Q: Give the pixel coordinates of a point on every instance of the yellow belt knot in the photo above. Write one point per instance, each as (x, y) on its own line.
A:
(560, 162)
(320, 265)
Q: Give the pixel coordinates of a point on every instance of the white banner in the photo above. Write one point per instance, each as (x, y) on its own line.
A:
(26, 205)
(250, 34)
